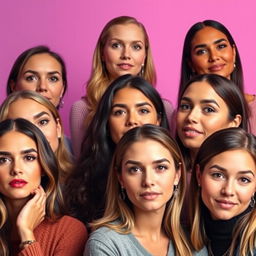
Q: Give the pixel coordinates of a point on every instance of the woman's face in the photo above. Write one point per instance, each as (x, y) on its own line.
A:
(148, 176)
(130, 108)
(211, 53)
(201, 112)
(228, 182)
(40, 116)
(20, 170)
(42, 73)
(124, 51)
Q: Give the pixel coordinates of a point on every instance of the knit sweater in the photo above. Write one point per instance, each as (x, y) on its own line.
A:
(65, 237)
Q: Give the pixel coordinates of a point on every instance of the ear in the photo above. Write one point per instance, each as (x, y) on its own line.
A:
(198, 175)
(59, 128)
(62, 91)
(120, 179)
(234, 53)
(12, 86)
(177, 177)
(236, 121)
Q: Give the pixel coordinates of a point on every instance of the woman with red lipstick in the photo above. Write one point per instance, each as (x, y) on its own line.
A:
(223, 184)
(209, 48)
(145, 191)
(31, 203)
(122, 48)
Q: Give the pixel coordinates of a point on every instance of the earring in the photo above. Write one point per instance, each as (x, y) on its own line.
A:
(234, 65)
(252, 203)
(61, 104)
(122, 195)
(142, 70)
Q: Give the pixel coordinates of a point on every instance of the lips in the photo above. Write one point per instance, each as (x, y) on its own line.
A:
(216, 68)
(150, 195)
(125, 66)
(17, 183)
(225, 204)
(191, 132)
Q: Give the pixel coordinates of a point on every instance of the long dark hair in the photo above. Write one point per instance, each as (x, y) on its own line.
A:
(186, 70)
(221, 141)
(230, 94)
(50, 181)
(87, 185)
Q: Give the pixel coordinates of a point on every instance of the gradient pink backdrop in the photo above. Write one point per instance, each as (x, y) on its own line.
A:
(72, 27)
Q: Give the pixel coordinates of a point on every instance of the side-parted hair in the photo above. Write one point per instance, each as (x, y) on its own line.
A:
(186, 70)
(119, 214)
(50, 180)
(99, 78)
(230, 94)
(62, 155)
(244, 235)
(22, 59)
(90, 174)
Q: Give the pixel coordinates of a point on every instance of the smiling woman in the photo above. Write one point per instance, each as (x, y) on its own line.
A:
(224, 184)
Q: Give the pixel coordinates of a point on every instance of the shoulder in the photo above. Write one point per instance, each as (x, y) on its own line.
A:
(202, 252)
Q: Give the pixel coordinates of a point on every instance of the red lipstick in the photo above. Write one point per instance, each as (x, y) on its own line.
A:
(17, 183)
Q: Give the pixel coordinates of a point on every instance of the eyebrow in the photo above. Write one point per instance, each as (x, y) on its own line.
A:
(36, 73)
(205, 101)
(26, 151)
(120, 40)
(154, 162)
(225, 170)
(40, 114)
(120, 105)
(215, 42)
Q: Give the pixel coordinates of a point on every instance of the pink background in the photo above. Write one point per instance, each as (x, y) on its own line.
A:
(71, 28)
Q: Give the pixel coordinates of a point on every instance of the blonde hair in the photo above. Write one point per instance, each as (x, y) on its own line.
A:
(99, 79)
(119, 209)
(62, 155)
(244, 233)
(50, 181)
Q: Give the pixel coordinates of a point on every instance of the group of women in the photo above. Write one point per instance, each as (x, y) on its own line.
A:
(138, 175)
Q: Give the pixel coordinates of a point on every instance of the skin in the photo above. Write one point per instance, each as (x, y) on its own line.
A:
(148, 167)
(130, 108)
(228, 182)
(124, 51)
(201, 112)
(38, 115)
(41, 73)
(25, 204)
(211, 53)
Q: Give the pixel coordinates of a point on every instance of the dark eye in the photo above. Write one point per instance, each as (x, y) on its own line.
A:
(184, 106)
(30, 158)
(217, 175)
(201, 51)
(209, 110)
(134, 169)
(162, 168)
(118, 112)
(245, 180)
(144, 111)
(31, 78)
(54, 79)
(221, 46)
(4, 160)
(43, 122)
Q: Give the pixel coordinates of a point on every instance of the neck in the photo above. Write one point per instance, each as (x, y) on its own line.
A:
(193, 153)
(145, 228)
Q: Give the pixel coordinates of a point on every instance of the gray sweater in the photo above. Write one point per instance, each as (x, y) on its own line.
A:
(105, 241)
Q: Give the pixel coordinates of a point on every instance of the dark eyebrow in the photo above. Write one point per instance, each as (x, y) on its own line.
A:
(161, 160)
(36, 73)
(139, 163)
(247, 172)
(5, 153)
(204, 45)
(225, 170)
(202, 101)
(120, 105)
(40, 114)
(27, 151)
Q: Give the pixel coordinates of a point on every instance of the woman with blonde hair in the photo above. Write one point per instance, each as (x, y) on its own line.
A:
(31, 204)
(122, 48)
(41, 112)
(145, 191)
(223, 185)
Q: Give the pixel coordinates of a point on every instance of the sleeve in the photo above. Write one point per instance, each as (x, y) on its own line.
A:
(32, 250)
(171, 115)
(77, 116)
(73, 238)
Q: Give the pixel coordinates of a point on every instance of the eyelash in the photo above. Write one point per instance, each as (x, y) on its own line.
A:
(3, 160)
(43, 122)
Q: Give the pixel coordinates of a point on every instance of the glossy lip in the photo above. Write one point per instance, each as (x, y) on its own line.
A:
(125, 66)
(17, 183)
(215, 68)
(190, 131)
(150, 195)
(225, 204)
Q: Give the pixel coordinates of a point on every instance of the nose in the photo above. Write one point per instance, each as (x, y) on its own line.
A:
(148, 179)
(125, 55)
(227, 188)
(132, 119)
(42, 86)
(193, 116)
(15, 169)
(213, 55)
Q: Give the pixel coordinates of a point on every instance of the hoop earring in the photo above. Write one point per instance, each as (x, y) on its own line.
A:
(252, 203)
